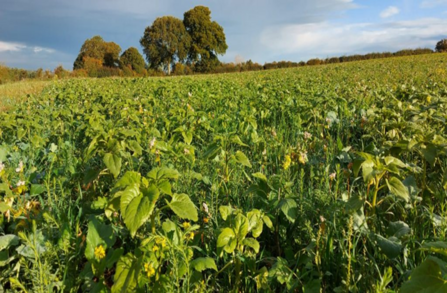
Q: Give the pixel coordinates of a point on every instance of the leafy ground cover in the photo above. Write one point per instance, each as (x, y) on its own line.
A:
(329, 178)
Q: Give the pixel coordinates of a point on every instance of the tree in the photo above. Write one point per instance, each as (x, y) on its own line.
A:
(208, 38)
(165, 42)
(441, 46)
(133, 59)
(107, 53)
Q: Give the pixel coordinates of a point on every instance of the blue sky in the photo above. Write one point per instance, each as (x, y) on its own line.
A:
(48, 33)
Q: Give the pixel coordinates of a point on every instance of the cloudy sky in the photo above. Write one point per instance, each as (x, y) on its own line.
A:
(48, 33)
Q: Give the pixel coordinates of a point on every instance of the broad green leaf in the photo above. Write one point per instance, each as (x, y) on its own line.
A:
(202, 263)
(357, 164)
(240, 227)
(98, 234)
(391, 247)
(237, 140)
(289, 208)
(4, 256)
(367, 170)
(255, 223)
(227, 240)
(398, 188)
(6, 241)
(113, 163)
(260, 176)
(165, 187)
(158, 174)
(225, 211)
(36, 189)
(136, 207)
(398, 229)
(242, 159)
(426, 278)
(389, 160)
(313, 286)
(130, 178)
(100, 203)
(430, 153)
(113, 257)
(410, 183)
(183, 207)
(4, 207)
(267, 222)
(436, 247)
(127, 272)
(135, 147)
(252, 243)
(5, 188)
(212, 151)
(168, 226)
(187, 136)
(262, 279)
(354, 204)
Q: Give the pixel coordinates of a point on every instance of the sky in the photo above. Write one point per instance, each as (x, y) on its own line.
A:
(48, 33)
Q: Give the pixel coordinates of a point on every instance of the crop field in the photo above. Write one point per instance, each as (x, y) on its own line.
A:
(317, 179)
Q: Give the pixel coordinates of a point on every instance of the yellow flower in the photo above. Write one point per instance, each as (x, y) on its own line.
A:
(206, 220)
(428, 99)
(287, 162)
(155, 248)
(161, 241)
(100, 253)
(186, 225)
(189, 236)
(150, 271)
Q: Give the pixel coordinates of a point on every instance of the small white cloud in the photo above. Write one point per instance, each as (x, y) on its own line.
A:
(13, 47)
(390, 11)
(433, 3)
(40, 49)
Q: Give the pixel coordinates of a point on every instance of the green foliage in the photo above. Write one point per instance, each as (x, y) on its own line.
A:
(165, 42)
(441, 46)
(314, 179)
(106, 53)
(208, 38)
(133, 59)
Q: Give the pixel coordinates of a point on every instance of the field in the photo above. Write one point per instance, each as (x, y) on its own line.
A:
(317, 179)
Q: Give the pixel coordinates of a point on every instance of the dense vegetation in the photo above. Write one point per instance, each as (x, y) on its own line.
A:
(327, 178)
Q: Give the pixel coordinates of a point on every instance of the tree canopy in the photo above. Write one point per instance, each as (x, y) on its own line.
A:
(132, 58)
(208, 37)
(441, 46)
(105, 53)
(165, 41)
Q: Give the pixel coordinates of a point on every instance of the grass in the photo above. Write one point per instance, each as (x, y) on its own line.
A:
(12, 93)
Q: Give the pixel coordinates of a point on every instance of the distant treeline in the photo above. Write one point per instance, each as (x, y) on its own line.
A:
(13, 74)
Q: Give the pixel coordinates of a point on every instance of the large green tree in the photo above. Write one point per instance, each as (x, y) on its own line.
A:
(208, 38)
(441, 46)
(164, 42)
(133, 59)
(98, 49)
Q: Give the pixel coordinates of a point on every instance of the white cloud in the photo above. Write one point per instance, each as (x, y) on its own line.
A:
(32, 57)
(326, 39)
(390, 11)
(433, 3)
(40, 49)
(7, 46)
(16, 47)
